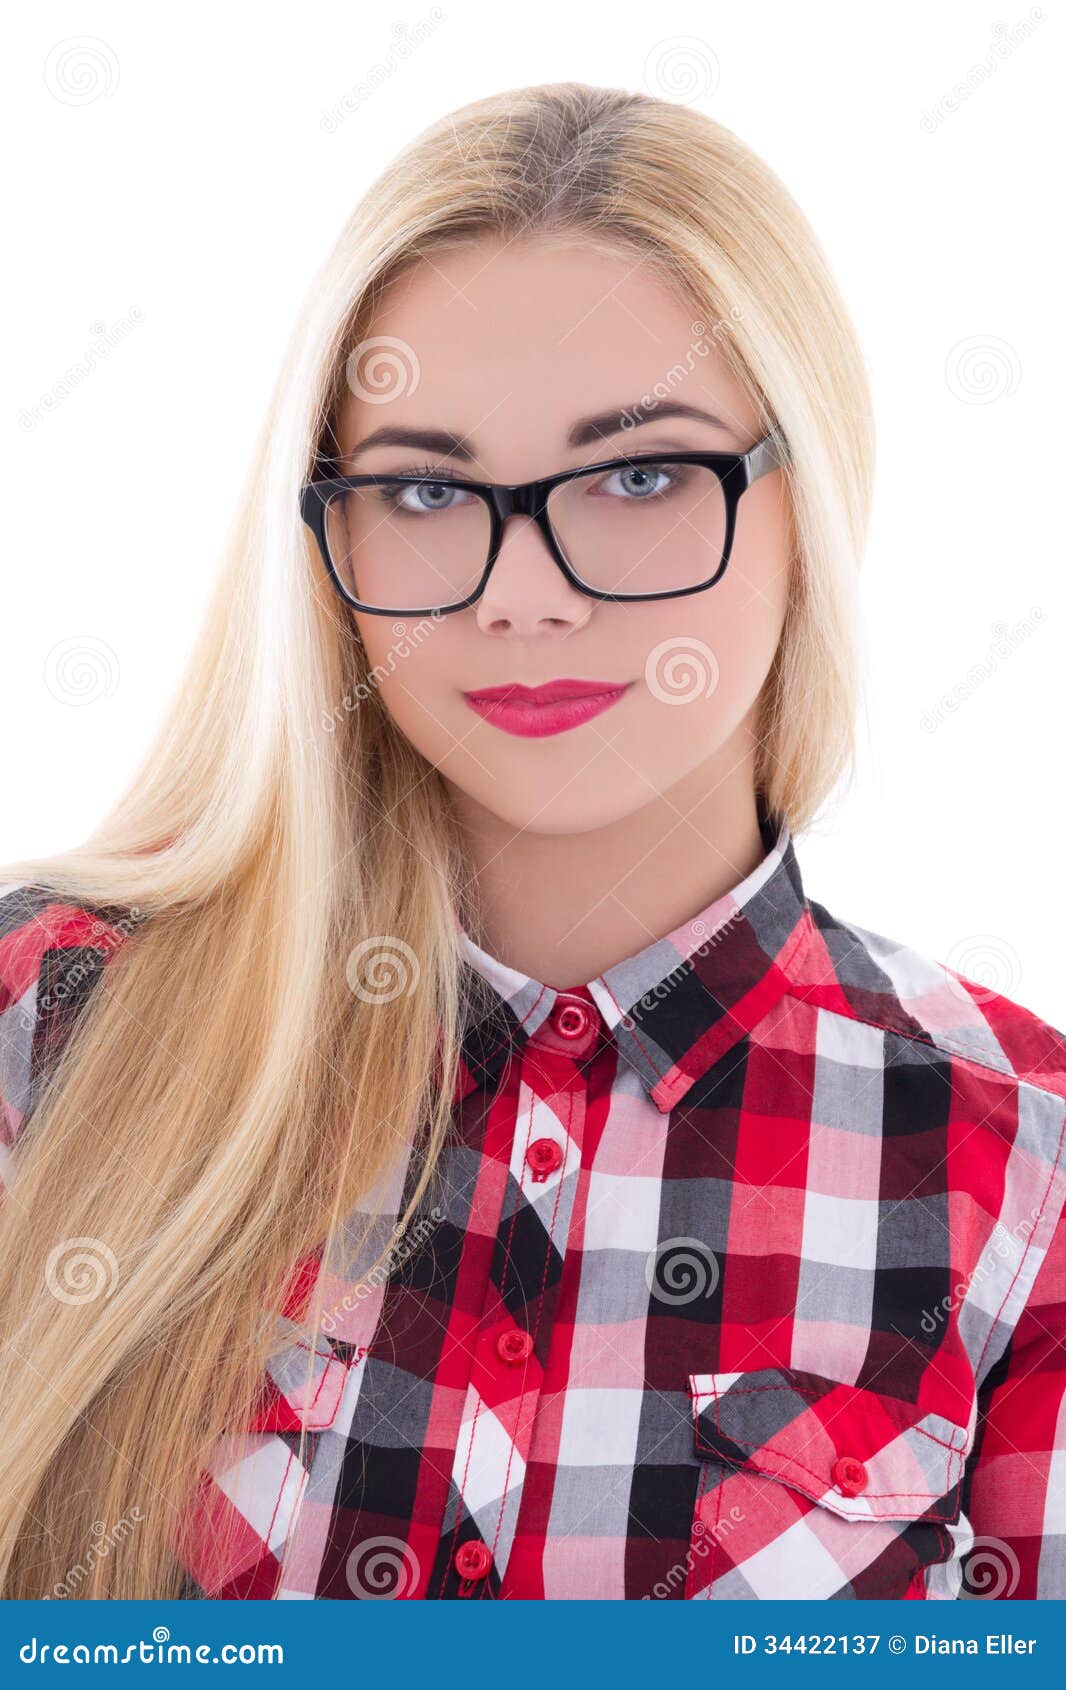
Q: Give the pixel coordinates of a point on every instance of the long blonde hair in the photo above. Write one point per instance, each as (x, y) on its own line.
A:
(226, 1097)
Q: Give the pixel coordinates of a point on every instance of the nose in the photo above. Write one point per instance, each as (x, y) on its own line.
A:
(527, 593)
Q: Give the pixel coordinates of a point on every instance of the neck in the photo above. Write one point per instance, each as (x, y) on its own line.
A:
(564, 907)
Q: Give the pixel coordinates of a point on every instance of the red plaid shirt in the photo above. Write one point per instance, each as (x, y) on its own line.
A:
(744, 1275)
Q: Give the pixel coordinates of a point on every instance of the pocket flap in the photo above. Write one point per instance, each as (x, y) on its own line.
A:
(861, 1453)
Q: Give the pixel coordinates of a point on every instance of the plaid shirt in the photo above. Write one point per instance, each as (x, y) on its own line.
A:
(742, 1276)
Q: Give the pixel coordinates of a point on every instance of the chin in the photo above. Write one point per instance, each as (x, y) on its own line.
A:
(565, 812)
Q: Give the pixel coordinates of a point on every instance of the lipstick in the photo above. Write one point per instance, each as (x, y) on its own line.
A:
(532, 712)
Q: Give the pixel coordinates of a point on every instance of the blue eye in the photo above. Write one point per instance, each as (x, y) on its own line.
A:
(637, 481)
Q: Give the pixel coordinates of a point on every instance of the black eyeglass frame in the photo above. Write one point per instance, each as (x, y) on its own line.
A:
(735, 470)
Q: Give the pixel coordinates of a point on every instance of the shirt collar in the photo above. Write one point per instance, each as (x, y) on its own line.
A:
(675, 1007)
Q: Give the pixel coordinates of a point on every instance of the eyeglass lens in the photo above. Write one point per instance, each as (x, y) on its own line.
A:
(637, 528)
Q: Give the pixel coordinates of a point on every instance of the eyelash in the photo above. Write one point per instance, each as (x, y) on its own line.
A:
(426, 472)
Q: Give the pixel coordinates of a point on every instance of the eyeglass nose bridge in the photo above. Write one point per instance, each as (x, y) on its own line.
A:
(526, 498)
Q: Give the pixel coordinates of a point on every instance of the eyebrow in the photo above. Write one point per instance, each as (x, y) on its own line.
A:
(599, 426)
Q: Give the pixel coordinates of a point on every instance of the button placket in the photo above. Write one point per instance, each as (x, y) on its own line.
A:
(518, 1309)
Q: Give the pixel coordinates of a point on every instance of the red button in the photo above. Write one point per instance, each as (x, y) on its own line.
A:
(514, 1346)
(571, 1020)
(473, 1559)
(849, 1475)
(544, 1156)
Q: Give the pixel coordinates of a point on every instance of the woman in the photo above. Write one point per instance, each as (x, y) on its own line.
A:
(451, 1156)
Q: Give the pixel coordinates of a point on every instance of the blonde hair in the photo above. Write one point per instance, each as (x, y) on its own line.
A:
(226, 1096)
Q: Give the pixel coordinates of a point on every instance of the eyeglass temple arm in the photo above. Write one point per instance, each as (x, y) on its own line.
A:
(770, 453)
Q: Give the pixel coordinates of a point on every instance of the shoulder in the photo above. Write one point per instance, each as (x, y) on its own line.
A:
(53, 952)
(888, 984)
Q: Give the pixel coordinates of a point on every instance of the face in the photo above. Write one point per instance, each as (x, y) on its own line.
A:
(516, 345)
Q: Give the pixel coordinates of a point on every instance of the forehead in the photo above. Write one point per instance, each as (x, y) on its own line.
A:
(515, 340)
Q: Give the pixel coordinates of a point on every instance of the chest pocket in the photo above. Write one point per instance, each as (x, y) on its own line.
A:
(813, 1488)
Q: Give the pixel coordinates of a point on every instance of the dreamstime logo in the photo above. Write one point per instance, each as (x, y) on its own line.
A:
(989, 962)
(382, 369)
(404, 44)
(81, 670)
(104, 1540)
(407, 639)
(105, 338)
(991, 1571)
(982, 369)
(382, 968)
(80, 70)
(381, 1569)
(1003, 1245)
(1008, 40)
(92, 953)
(79, 1270)
(708, 939)
(681, 669)
(679, 1270)
(703, 1537)
(405, 1243)
(682, 68)
(1005, 644)
(698, 347)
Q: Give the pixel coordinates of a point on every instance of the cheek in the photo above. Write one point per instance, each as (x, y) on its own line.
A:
(411, 666)
(703, 659)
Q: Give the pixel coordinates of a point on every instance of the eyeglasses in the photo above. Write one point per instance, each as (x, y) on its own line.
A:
(656, 526)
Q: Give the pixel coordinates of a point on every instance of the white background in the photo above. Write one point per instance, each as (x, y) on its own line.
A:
(173, 196)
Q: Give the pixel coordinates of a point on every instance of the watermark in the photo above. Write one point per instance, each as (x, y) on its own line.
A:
(407, 640)
(104, 1540)
(407, 39)
(1003, 1243)
(104, 340)
(381, 369)
(699, 347)
(381, 1569)
(665, 986)
(81, 69)
(1004, 644)
(991, 1570)
(406, 1242)
(160, 1649)
(1008, 38)
(683, 68)
(681, 669)
(989, 963)
(79, 1270)
(88, 958)
(681, 1270)
(981, 369)
(382, 968)
(703, 1537)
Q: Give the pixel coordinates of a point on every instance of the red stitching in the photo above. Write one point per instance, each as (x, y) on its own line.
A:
(792, 1461)
(1025, 1252)
(817, 1396)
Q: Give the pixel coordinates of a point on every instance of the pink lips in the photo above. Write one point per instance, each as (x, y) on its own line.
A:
(549, 709)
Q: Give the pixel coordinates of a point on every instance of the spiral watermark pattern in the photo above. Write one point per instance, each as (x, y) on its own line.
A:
(681, 669)
(79, 1270)
(381, 1569)
(382, 968)
(990, 962)
(81, 69)
(682, 68)
(992, 1570)
(81, 670)
(981, 369)
(382, 369)
(680, 1270)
